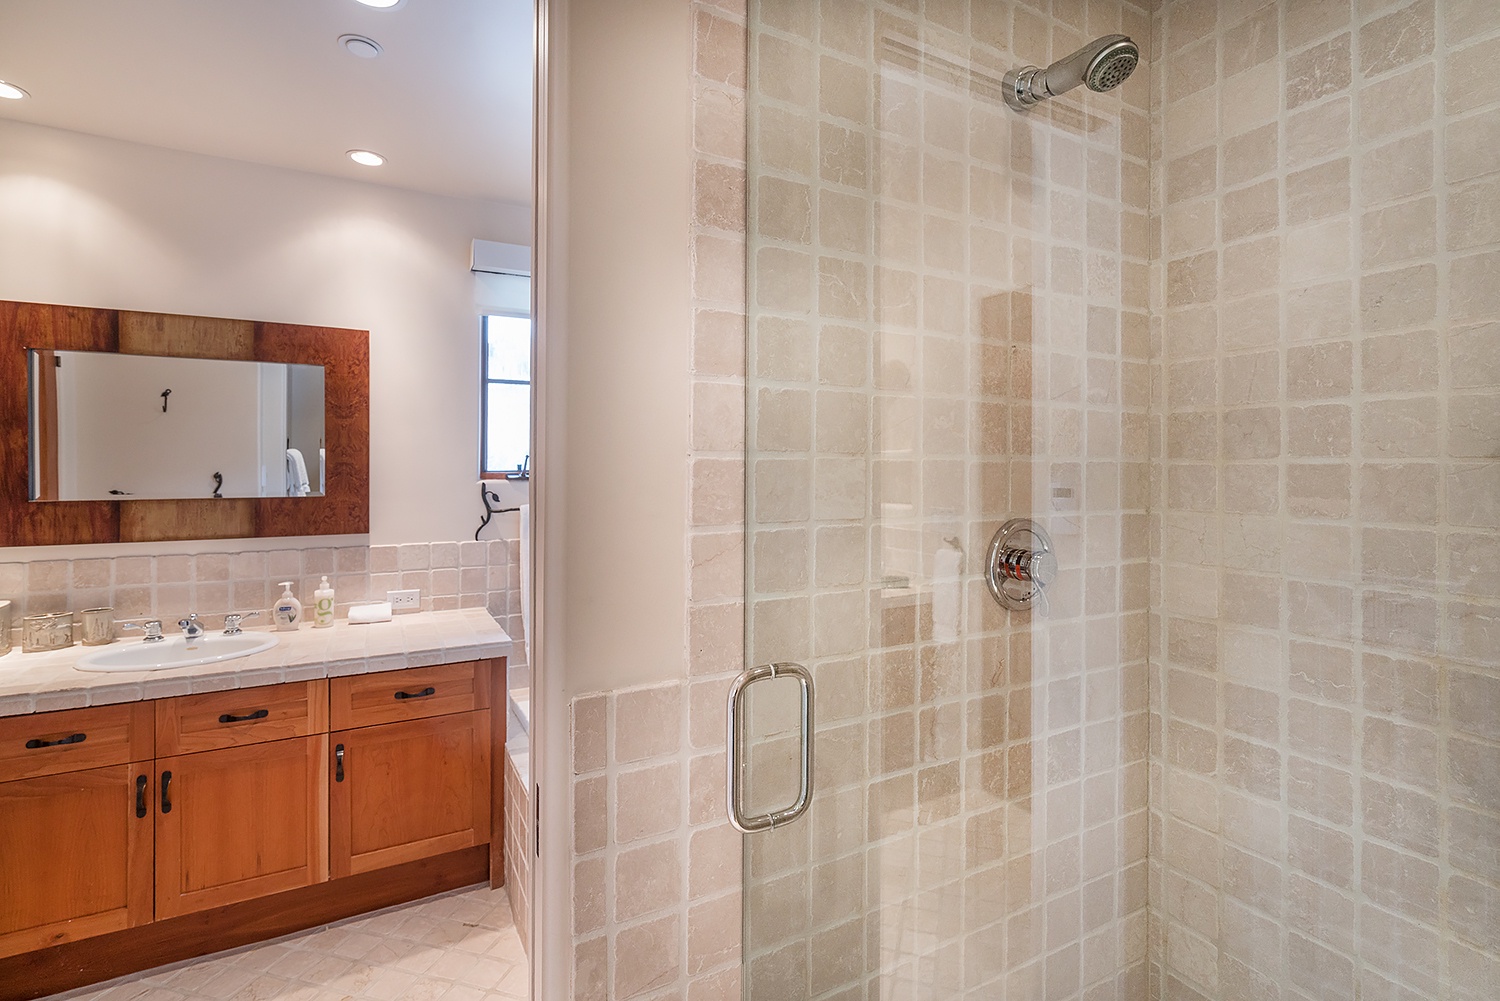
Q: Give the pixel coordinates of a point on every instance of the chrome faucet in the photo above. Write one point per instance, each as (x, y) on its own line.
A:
(191, 628)
(151, 627)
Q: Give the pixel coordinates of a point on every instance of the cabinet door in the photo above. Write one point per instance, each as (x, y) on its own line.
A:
(240, 822)
(75, 855)
(409, 790)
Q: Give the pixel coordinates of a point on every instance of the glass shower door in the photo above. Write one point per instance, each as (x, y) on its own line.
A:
(947, 331)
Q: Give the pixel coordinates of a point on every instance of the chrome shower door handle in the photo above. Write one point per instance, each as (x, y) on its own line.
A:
(734, 786)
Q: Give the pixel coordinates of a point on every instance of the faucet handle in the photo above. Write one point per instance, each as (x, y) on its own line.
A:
(151, 627)
(233, 619)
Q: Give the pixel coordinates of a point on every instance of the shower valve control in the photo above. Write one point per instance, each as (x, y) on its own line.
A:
(1020, 565)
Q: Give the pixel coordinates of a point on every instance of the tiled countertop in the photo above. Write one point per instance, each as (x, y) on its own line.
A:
(41, 682)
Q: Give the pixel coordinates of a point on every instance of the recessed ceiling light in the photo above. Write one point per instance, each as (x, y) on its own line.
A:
(382, 4)
(366, 158)
(359, 45)
(11, 92)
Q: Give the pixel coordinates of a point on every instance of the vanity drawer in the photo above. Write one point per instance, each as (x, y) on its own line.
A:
(74, 739)
(213, 720)
(391, 696)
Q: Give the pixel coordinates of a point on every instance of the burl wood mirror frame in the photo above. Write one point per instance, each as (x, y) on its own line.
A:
(344, 354)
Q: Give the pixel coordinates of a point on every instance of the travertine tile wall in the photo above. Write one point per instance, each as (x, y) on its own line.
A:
(948, 328)
(656, 869)
(1290, 703)
(449, 574)
(519, 840)
(1326, 700)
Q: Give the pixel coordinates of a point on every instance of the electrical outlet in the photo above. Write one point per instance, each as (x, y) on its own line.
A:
(404, 600)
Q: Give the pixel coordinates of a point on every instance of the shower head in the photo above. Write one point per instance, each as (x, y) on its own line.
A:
(1101, 65)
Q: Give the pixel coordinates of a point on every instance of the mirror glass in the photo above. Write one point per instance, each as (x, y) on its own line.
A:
(108, 426)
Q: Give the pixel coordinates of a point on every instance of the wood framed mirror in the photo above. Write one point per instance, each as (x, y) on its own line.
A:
(344, 507)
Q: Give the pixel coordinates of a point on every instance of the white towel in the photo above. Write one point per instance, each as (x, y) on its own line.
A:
(322, 470)
(296, 474)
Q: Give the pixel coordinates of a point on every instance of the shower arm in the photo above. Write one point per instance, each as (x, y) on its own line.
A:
(1030, 85)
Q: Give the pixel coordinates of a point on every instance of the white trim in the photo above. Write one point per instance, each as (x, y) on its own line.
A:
(551, 872)
(500, 258)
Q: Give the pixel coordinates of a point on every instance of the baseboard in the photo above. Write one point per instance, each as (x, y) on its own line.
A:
(94, 960)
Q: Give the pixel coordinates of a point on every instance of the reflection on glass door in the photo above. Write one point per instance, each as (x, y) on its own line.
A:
(1228, 337)
(947, 331)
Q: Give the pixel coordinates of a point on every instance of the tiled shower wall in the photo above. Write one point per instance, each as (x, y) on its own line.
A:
(948, 329)
(1294, 853)
(1326, 739)
(449, 575)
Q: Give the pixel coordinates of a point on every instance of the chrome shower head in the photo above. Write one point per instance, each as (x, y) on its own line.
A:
(1101, 65)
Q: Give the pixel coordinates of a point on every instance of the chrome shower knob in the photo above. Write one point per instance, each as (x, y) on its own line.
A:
(1020, 565)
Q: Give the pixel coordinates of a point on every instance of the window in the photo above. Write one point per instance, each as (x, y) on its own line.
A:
(505, 431)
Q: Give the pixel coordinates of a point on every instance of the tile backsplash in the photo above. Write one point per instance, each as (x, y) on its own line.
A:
(449, 575)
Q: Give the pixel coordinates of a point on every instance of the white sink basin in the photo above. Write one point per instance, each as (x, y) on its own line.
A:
(138, 655)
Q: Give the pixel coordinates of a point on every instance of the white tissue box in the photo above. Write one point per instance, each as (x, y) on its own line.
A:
(376, 611)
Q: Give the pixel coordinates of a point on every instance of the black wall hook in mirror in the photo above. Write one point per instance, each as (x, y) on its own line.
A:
(218, 485)
(490, 499)
(165, 393)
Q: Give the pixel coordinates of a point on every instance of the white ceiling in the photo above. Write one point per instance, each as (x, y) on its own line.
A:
(448, 103)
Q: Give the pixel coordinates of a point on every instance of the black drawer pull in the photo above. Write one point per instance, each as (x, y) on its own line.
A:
(140, 796)
(77, 738)
(338, 763)
(166, 792)
(429, 690)
(258, 714)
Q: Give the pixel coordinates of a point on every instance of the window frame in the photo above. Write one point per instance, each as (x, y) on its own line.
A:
(484, 393)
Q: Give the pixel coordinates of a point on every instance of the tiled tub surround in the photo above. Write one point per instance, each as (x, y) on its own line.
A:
(519, 839)
(42, 682)
(1326, 528)
(450, 575)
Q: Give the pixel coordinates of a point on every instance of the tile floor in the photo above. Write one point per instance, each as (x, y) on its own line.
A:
(460, 946)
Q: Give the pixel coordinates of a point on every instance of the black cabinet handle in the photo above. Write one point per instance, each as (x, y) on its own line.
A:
(140, 796)
(77, 738)
(258, 714)
(166, 792)
(338, 763)
(429, 690)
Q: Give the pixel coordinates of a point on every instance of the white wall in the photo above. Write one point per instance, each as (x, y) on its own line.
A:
(114, 435)
(620, 417)
(98, 222)
(304, 419)
(275, 392)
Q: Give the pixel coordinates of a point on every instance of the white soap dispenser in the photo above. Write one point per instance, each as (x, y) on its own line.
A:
(323, 605)
(288, 611)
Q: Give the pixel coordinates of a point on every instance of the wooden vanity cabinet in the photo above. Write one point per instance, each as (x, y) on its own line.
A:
(411, 770)
(246, 814)
(146, 833)
(76, 833)
(404, 791)
(240, 823)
